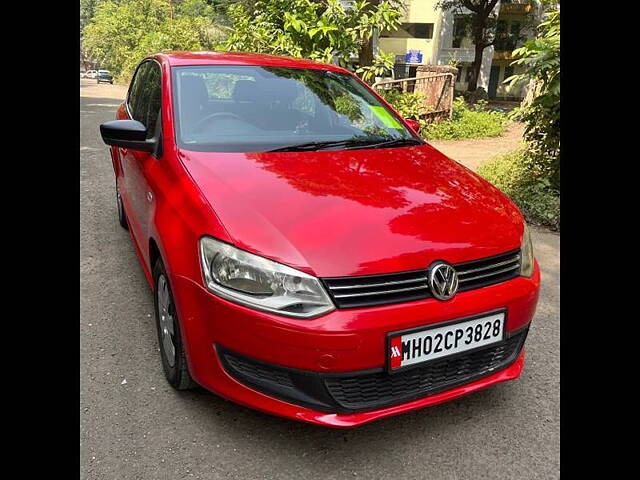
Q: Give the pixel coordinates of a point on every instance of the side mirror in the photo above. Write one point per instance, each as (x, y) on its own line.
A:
(414, 124)
(127, 134)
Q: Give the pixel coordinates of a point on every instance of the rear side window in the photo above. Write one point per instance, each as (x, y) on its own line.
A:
(145, 96)
(151, 98)
(135, 89)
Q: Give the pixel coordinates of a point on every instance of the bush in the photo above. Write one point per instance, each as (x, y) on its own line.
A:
(541, 108)
(519, 176)
(408, 105)
(465, 122)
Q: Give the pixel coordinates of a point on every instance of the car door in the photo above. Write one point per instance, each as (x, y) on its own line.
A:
(144, 106)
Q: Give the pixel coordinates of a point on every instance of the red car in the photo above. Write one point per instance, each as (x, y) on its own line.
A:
(310, 255)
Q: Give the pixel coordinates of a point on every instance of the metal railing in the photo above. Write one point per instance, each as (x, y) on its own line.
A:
(437, 90)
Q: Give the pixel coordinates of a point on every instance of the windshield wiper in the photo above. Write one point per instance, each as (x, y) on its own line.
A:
(310, 146)
(398, 142)
(302, 147)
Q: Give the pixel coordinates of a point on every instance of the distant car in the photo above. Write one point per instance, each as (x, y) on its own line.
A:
(91, 74)
(104, 76)
(83, 74)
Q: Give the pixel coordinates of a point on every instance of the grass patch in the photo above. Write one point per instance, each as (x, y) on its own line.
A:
(466, 122)
(517, 176)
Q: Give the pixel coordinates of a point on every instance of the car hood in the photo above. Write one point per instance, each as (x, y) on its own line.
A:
(356, 212)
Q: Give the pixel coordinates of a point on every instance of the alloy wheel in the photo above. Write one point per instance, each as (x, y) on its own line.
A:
(167, 324)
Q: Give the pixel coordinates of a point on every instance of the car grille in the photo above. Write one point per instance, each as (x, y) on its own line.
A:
(370, 290)
(351, 392)
(488, 271)
(371, 391)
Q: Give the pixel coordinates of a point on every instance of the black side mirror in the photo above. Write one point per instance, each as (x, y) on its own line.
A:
(127, 134)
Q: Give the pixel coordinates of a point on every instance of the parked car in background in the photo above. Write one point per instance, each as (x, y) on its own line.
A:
(309, 254)
(83, 74)
(104, 76)
(91, 74)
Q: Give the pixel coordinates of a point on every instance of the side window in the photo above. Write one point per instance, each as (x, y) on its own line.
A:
(151, 98)
(146, 95)
(134, 91)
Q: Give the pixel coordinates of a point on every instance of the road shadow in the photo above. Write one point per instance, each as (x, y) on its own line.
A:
(297, 438)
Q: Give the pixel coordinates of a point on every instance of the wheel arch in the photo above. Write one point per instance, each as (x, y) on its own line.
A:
(154, 254)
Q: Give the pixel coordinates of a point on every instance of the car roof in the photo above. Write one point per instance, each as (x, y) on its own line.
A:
(240, 58)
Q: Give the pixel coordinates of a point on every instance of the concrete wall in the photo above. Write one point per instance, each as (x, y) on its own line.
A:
(418, 11)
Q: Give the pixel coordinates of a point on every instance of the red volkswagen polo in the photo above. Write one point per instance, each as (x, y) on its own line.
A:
(310, 255)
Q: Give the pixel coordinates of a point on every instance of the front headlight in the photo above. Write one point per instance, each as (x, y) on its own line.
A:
(259, 283)
(526, 252)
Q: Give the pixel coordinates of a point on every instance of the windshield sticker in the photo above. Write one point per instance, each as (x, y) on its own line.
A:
(385, 117)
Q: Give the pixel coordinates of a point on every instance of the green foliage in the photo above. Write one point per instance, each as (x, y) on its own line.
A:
(323, 31)
(195, 8)
(519, 176)
(465, 122)
(541, 109)
(382, 63)
(87, 10)
(408, 105)
(121, 33)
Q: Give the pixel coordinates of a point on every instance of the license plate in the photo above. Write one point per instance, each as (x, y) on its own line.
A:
(424, 344)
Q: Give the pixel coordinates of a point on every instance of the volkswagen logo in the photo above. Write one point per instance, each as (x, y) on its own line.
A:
(443, 281)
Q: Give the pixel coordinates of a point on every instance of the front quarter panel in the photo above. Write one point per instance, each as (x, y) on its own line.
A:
(180, 213)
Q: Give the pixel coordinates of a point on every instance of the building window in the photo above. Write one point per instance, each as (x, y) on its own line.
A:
(419, 30)
(467, 77)
(411, 30)
(515, 35)
(507, 38)
(508, 71)
(460, 27)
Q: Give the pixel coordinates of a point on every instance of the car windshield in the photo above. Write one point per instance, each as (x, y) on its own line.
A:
(260, 108)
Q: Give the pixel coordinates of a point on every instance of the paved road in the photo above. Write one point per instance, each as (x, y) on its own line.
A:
(474, 151)
(142, 429)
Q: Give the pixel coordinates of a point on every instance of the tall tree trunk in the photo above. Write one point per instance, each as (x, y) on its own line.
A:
(477, 65)
(478, 27)
(365, 56)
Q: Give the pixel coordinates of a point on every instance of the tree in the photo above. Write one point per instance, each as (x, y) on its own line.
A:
(87, 10)
(482, 25)
(326, 31)
(121, 33)
(541, 109)
(366, 55)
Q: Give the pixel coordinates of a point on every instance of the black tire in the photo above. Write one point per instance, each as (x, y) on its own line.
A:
(122, 216)
(177, 374)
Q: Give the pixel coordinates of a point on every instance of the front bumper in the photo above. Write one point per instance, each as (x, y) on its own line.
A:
(339, 344)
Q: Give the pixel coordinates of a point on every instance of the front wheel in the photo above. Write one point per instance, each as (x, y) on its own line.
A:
(122, 216)
(174, 361)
